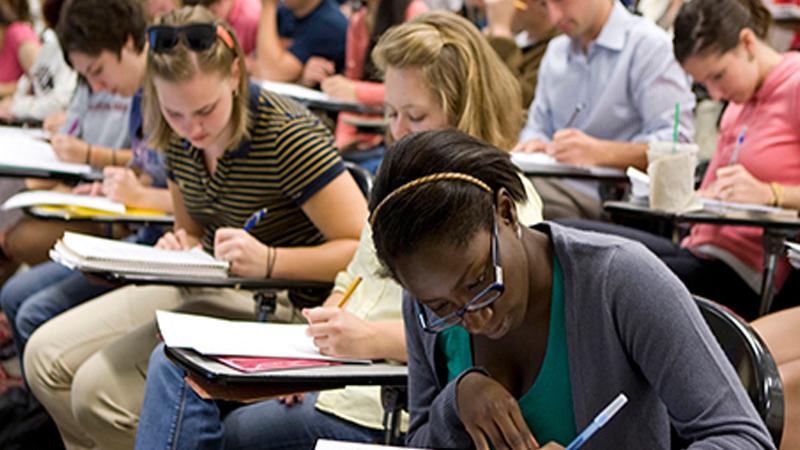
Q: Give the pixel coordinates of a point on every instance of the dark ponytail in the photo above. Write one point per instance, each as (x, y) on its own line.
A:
(714, 25)
(389, 14)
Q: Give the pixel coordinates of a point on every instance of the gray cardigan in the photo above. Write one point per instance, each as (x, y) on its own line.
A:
(632, 327)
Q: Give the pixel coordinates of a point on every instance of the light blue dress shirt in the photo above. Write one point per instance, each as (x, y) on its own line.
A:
(628, 82)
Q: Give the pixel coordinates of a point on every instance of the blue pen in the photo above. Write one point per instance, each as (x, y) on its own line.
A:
(254, 219)
(602, 418)
(739, 141)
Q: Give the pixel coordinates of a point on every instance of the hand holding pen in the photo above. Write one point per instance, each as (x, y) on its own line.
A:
(248, 257)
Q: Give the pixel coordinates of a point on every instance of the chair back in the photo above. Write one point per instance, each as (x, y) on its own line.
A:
(752, 361)
(362, 176)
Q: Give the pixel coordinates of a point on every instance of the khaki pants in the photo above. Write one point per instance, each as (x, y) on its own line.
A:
(88, 365)
(561, 201)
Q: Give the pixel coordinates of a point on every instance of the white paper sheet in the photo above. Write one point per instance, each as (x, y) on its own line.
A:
(211, 336)
(51, 198)
(24, 152)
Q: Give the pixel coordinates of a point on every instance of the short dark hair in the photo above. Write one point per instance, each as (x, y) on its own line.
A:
(92, 26)
(441, 212)
(51, 11)
(205, 3)
(704, 26)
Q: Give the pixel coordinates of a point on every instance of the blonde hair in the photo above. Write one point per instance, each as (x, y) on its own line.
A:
(182, 64)
(479, 94)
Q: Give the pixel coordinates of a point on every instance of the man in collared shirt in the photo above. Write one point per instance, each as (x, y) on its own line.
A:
(607, 87)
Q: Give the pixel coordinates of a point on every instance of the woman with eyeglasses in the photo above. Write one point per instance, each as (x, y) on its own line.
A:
(517, 337)
(231, 150)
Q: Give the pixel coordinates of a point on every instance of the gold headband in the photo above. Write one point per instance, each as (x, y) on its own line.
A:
(442, 176)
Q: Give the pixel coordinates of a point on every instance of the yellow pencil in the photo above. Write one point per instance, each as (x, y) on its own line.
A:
(519, 4)
(349, 292)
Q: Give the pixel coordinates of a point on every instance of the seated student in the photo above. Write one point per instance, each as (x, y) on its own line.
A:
(48, 85)
(781, 333)
(720, 43)
(606, 88)
(291, 32)
(361, 82)
(231, 149)
(242, 15)
(507, 23)
(370, 326)
(19, 46)
(519, 336)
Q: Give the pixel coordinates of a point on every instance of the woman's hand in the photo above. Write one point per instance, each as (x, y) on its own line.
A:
(94, 189)
(340, 87)
(120, 184)
(291, 399)
(491, 414)
(736, 184)
(177, 240)
(246, 254)
(54, 121)
(69, 149)
(337, 332)
(315, 70)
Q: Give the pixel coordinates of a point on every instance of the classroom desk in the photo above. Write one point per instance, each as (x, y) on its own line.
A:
(32, 172)
(776, 231)
(559, 170)
(315, 99)
(215, 380)
(39, 212)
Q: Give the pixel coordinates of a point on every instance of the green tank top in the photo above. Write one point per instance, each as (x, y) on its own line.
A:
(547, 406)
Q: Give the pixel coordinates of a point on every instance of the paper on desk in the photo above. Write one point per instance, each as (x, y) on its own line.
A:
(211, 336)
(326, 444)
(24, 152)
(538, 161)
(297, 92)
(793, 253)
(51, 198)
(35, 133)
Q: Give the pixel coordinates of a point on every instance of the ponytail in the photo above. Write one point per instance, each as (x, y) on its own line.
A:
(714, 25)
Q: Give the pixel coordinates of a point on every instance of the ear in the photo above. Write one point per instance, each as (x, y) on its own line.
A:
(236, 74)
(747, 39)
(506, 208)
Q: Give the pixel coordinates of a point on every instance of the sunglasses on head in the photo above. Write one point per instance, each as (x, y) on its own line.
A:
(197, 37)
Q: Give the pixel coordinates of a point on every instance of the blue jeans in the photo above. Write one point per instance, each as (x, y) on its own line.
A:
(33, 297)
(174, 417)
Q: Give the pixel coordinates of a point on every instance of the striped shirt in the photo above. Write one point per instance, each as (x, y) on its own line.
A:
(289, 157)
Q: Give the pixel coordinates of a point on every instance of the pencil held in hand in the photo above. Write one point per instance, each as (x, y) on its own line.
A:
(349, 292)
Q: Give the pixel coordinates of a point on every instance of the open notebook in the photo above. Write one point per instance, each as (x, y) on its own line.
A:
(77, 206)
(22, 150)
(93, 254)
(218, 337)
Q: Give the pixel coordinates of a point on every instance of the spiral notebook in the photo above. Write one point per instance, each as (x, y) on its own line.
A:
(93, 254)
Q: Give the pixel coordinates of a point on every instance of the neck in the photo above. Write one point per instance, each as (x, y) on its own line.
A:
(597, 27)
(767, 59)
(539, 254)
(306, 9)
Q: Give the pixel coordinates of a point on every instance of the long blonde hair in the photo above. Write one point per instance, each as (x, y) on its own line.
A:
(181, 64)
(479, 94)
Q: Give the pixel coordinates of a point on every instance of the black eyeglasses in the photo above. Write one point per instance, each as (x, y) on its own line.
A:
(197, 37)
(484, 298)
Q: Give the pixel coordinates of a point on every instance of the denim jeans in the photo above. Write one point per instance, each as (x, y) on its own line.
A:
(33, 297)
(174, 417)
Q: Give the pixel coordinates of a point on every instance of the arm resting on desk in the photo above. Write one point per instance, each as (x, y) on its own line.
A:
(272, 60)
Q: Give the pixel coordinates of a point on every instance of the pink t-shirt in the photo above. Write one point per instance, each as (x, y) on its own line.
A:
(243, 17)
(770, 152)
(16, 34)
(367, 92)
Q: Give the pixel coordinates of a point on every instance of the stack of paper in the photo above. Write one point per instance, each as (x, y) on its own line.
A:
(20, 151)
(51, 198)
(793, 253)
(748, 209)
(93, 254)
(210, 336)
